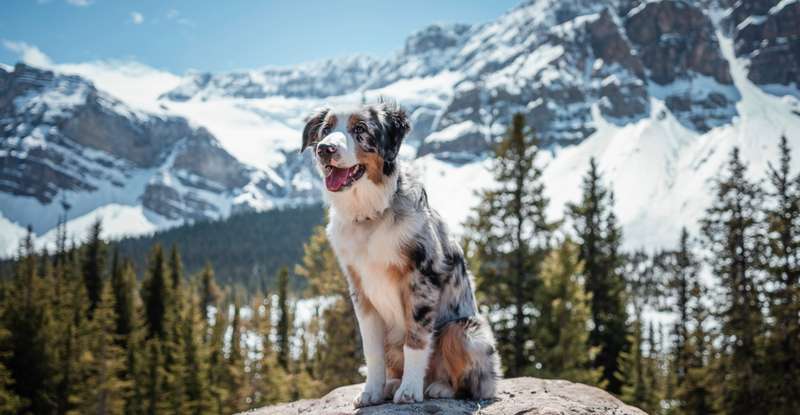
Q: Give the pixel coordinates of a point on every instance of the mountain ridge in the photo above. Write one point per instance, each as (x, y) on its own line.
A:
(657, 91)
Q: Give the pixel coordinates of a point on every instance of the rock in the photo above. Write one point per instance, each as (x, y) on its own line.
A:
(515, 396)
(768, 33)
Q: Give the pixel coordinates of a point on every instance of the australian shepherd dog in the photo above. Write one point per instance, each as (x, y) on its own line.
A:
(412, 293)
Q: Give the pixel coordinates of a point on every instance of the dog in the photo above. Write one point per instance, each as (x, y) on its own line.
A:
(420, 328)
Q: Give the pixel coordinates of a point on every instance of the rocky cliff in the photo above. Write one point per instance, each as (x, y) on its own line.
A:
(515, 396)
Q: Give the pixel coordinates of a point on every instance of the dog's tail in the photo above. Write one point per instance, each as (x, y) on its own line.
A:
(471, 336)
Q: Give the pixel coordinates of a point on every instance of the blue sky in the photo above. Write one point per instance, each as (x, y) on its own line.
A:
(181, 35)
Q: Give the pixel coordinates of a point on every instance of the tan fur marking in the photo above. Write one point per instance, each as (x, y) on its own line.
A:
(394, 360)
(374, 164)
(353, 120)
(363, 302)
(454, 357)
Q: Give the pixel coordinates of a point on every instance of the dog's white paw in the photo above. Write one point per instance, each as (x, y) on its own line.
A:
(390, 388)
(439, 390)
(409, 392)
(371, 395)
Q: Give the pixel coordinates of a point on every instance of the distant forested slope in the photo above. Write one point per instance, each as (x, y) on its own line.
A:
(246, 248)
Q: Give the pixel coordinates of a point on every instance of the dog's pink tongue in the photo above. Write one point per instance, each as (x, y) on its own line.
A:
(336, 179)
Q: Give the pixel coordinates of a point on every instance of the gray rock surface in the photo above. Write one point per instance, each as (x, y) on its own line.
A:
(515, 396)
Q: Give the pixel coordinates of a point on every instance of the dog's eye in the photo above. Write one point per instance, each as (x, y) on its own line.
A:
(359, 129)
(325, 131)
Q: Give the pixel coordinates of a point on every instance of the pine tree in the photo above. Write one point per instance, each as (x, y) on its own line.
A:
(734, 237)
(155, 401)
(104, 361)
(123, 284)
(510, 235)
(94, 265)
(209, 294)
(72, 318)
(695, 395)
(235, 376)
(29, 346)
(561, 330)
(636, 389)
(270, 382)
(599, 239)
(217, 367)
(783, 274)
(338, 351)
(10, 402)
(681, 268)
(283, 333)
(195, 381)
(155, 294)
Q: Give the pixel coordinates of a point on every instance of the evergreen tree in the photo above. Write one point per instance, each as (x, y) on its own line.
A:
(695, 395)
(734, 238)
(217, 367)
(561, 330)
(636, 389)
(105, 386)
(155, 294)
(195, 381)
(123, 284)
(29, 356)
(94, 265)
(510, 236)
(338, 350)
(270, 383)
(209, 294)
(10, 402)
(283, 333)
(783, 274)
(155, 401)
(599, 239)
(681, 268)
(235, 376)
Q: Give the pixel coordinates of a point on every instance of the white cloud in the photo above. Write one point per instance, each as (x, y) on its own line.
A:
(137, 18)
(80, 3)
(28, 53)
(175, 16)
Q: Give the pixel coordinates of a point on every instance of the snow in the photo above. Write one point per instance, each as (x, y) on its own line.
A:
(453, 132)
(781, 5)
(118, 221)
(10, 236)
(137, 84)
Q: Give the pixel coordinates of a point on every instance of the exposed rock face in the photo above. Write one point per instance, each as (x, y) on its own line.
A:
(59, 133)
(515, 396)
(768, 32)
(673, 38)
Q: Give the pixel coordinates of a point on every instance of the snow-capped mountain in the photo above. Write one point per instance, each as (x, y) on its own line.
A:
(657, 91)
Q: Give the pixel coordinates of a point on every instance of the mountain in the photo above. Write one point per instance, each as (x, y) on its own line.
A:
(657, 91)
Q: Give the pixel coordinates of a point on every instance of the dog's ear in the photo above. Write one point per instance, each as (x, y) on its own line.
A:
(311, 130)
(397, 127)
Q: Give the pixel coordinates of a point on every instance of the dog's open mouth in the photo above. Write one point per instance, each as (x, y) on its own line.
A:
(337, 178)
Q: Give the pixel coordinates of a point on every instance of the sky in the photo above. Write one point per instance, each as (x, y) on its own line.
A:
(192, 35)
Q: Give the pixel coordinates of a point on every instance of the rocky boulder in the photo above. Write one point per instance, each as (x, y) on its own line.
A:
(515, 396)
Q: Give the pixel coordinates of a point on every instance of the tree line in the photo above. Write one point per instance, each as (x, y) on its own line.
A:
(80, 333)
(567, 302)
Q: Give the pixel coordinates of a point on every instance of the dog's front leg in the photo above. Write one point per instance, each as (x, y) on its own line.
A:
(372, 333)
(420, 317)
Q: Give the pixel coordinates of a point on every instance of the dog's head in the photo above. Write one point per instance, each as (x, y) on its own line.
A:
(357, 144)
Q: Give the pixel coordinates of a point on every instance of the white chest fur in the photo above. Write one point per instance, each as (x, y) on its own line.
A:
(371, 248)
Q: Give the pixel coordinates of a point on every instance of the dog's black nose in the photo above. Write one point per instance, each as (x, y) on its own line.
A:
(325, 150)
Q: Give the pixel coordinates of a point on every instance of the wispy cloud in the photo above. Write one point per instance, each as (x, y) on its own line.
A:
(28, 53)
(137, 18)
(175, 16)
(80, 3)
